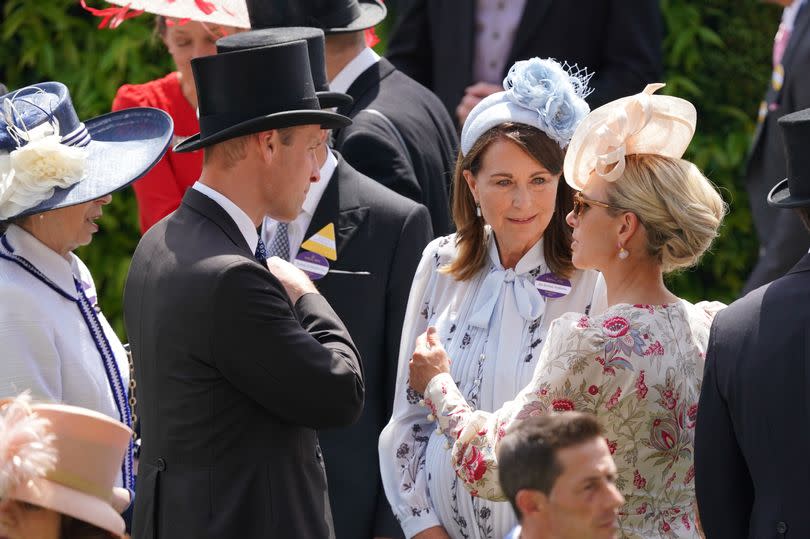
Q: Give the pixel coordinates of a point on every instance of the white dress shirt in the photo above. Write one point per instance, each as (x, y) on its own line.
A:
(245, 223)
(297, 228)
(353, 69)
(46, 345)
(493, 327)
(496, 23)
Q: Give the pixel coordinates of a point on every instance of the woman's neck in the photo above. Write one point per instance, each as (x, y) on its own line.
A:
(636, 283)
(510, 254)
(32, 226)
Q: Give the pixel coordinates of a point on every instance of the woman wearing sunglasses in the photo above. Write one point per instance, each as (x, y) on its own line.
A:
(491, 290)
(640, 212)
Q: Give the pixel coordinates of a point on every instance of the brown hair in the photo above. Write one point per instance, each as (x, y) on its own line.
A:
(73, 528)
(235, 149)
(472, 250)
(527, 455)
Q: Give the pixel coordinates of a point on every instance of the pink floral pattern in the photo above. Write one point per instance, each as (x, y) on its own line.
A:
(639, 369)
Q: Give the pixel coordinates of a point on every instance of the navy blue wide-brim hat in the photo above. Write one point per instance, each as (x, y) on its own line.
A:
(120, 147)
(794, 191)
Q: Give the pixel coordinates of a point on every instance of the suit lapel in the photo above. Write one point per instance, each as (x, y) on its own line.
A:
(339, 205)
(527, 29)
(216, 213)
(802, 265)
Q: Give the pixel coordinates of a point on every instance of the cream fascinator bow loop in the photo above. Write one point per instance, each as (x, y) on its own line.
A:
(640, 124)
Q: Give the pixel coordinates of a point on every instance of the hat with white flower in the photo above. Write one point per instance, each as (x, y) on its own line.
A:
(538, 92)
(49, 159)
(641, 123)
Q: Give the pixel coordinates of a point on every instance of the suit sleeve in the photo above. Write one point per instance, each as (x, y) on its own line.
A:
(157, 192)
(415, 235)
(409, 48)
(632, 51)
(722, 481)
(371, 148)
(301, 364)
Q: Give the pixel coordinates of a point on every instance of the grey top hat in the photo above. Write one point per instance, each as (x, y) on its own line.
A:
(332, 16)
(50, 159)
(794, 191)
(315, 45)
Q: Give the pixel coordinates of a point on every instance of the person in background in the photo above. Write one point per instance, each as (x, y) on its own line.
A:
(640, 211)
(462, 49)
(57, 472)
(57, 175)
(558, 473)
(782, 238)
(749, 441)
(492, 289)
(400, 136)
(188, 32)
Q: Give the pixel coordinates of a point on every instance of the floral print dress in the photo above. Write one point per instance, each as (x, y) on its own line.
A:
(638, 368)
(494, 327)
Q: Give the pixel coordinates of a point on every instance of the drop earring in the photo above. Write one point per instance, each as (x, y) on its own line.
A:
(623, 253)
(477, 209)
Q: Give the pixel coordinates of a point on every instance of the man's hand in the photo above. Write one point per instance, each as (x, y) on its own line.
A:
(295, 281)
(429, 359)
(472, 96)
(436, 532)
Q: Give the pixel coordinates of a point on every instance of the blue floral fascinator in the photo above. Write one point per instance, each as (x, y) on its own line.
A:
(538, 92)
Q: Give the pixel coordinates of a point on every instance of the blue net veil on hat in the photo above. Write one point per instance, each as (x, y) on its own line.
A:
(539, 92)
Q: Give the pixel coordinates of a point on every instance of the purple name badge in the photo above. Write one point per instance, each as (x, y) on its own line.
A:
(313, 264)
(552, 286)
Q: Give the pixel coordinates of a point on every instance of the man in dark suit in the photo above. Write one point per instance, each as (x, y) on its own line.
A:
(379, 238)
(401, 135)
(751, 440)
(782, 239)
(238, 364)
(462, 49)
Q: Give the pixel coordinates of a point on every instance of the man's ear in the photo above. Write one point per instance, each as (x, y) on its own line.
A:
(531, 501)
(268, 142)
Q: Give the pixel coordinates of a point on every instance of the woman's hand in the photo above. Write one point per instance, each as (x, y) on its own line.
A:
(429, 359)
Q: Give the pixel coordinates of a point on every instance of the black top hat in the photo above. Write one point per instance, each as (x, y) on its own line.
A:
(332, 16)
(254, 90)
(274, 36)
(794, 191)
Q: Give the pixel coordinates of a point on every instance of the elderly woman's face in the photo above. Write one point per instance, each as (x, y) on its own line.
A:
(517, 194)
(65, 229)
(20, 520)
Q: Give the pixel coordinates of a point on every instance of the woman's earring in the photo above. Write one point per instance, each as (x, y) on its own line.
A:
(623, 253)
(477, 209)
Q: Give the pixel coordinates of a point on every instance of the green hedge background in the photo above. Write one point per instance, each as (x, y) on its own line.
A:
(717, 55)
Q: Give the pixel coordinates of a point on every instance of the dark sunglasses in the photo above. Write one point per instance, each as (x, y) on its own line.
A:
(580, 203)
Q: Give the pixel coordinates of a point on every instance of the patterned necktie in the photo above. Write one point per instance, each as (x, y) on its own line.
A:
(261, 252)
(280, 246)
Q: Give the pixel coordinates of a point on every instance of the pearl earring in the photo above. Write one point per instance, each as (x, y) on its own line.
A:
(623, 253)
(477, 209)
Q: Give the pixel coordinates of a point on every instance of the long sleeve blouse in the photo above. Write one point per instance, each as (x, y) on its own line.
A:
(494, 327)
(638, 368)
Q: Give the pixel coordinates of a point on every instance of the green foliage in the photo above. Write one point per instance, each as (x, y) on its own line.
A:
(717, 55)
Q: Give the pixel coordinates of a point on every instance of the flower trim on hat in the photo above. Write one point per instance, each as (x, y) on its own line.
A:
(556, 92)
(26, 445)
(41, 163)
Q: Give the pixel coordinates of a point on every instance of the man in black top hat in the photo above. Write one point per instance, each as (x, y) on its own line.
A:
(751, 439)
(239, 359)
(401, 135)
(379, 237)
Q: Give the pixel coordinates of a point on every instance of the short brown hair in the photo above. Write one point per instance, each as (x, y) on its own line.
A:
(527, 455)
(804, 215)
(472, 250)
(235, 149)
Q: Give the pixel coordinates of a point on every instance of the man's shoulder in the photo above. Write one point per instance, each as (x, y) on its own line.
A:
(377, 197)
(399, 94)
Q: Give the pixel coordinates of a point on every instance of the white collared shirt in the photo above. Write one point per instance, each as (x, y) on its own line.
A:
(353, 69)
(298, 227)
(245, 223)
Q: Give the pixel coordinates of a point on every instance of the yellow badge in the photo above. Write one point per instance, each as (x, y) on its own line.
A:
(323, 242)
(778, 77)
(763, 112)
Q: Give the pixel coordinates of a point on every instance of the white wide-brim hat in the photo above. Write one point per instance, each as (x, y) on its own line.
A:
(224, 12)
(639, 124)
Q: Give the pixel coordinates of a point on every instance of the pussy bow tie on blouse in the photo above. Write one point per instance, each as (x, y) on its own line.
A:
(529, 302)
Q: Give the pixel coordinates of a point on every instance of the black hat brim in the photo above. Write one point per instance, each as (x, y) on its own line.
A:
(372, 13)
(329, 100)
(125, 145)
(780, 197)
(279, 120)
